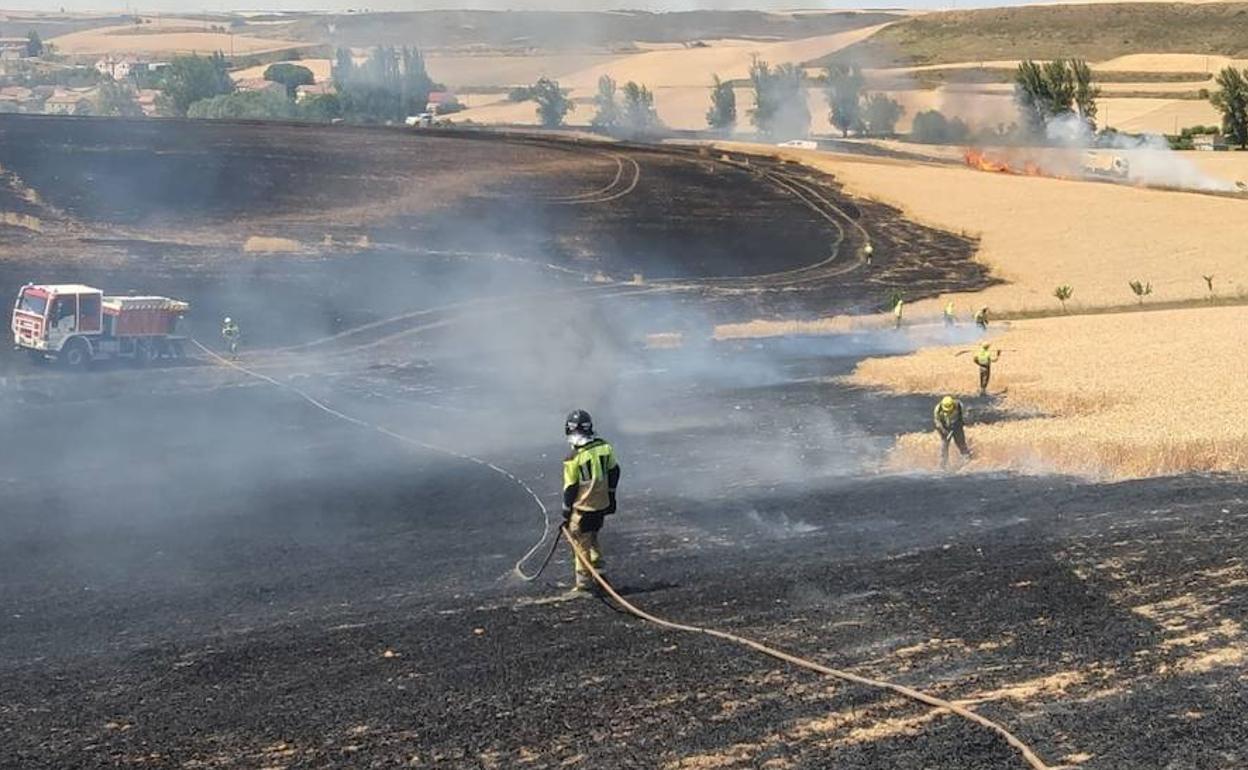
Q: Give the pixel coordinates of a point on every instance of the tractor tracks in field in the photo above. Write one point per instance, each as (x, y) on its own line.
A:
(848, 231)
(378, 333)
(627, 177)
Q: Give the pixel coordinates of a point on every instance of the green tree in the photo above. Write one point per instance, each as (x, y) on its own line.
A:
(1140, 289)
(1048, 90)
(843, 89)
(392, 84)
(189, 79)
(322, 108)
(34, 44)
(880, 114)
(1031, 93)
(553, 104)
(343, 67)
(607, 116)
(1086, 92)
(1232, 101)
(1063, 293)
(932, 127)
(249, 105)
(1060, 82)
(722, 115)
(118, 100)
(639, 116)
(780, 107)
(290, 75)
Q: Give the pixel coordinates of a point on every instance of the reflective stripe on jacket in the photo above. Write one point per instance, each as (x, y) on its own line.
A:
(588, 470)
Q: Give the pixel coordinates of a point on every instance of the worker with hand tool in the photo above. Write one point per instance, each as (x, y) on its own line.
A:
(950, 420)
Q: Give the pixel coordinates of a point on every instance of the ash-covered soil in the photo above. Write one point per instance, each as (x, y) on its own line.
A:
(230, 578)
(200, 569)
(350, 225)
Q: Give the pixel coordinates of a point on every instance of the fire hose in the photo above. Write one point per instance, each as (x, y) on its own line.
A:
(519, 568)
(1030, 756)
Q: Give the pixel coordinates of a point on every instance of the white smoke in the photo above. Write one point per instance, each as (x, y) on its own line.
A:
(1151, 161)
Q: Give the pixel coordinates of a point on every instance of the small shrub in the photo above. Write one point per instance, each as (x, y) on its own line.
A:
(1063, 293)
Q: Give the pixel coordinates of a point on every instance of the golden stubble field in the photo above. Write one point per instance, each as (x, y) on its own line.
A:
(164, 37)
(1037, 233)
(1108, 396)
(680, 79)
(1117, 395)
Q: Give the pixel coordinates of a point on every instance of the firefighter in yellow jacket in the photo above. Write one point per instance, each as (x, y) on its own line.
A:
(591, 474)
(984, 359)
(950, 419)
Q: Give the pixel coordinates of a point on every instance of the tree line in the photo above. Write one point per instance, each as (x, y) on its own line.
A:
(390, 85)
(781, 105)
(393, 83)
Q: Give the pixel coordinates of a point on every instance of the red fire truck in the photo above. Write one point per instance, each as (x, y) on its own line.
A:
(76, 324)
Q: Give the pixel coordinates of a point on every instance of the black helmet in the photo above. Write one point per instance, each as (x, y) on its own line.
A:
(579, 422)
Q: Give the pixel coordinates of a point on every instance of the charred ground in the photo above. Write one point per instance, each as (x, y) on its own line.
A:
(199, 569)
(417, 219)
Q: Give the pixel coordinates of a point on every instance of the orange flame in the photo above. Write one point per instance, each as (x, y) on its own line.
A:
(978, 159)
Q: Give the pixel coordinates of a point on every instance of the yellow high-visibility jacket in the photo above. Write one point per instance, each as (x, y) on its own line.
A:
(947, 421)
(590, 475)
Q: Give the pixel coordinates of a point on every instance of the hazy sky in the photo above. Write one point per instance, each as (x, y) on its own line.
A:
(188, 6)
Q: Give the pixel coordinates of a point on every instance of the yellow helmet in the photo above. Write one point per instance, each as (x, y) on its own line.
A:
(947, 404)
(983, 345)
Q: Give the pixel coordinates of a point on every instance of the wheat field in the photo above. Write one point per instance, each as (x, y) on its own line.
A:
(1112, 396)
(1036, 233)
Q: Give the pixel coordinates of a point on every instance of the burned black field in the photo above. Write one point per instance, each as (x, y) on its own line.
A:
(201, 569)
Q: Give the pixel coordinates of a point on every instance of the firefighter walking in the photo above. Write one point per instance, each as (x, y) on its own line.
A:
(230, 333)
(981, 318)
(951, 317)
(984, 359)
(898, 310)
(950, 420)
(591, 474)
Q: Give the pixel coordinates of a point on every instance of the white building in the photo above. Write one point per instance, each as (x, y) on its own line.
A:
(303, 93)
(121, 67)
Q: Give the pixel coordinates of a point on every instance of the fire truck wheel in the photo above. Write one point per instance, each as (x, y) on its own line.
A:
(76, 354)
(149, 352)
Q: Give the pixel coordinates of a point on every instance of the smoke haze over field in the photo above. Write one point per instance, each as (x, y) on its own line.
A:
(218, 6)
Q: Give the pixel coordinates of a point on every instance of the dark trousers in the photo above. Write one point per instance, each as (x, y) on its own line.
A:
(957, 435)
(984, 373)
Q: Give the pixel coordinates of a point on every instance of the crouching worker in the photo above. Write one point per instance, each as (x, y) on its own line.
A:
(950, 419)
(590, 475)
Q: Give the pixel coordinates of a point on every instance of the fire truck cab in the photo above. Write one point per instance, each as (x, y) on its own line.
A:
(77, 324)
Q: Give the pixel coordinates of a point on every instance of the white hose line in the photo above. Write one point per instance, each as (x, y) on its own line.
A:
(546, 528)
(1030, 756)
(907, 692)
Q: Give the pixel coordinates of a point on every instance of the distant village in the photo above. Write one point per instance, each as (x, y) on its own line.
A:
(35, 79)
(33, 84)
